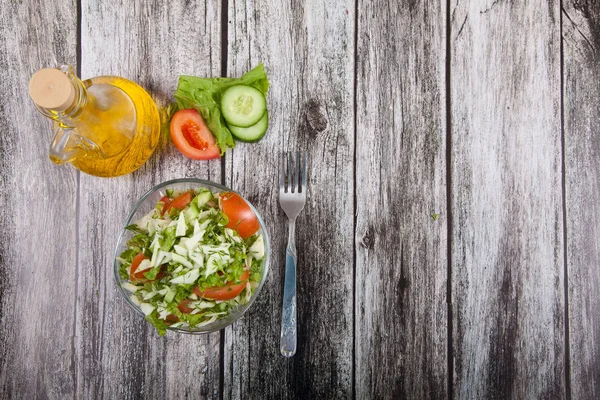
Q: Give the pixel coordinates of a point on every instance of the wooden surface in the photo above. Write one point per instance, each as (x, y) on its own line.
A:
(581, 32)
(401, 259)
(448, 245)
(506, 199)
(308, 52)
(38, 242)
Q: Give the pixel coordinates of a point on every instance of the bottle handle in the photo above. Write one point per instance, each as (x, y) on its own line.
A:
(68, 145)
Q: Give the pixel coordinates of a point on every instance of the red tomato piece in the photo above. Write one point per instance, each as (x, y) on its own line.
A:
(183, 306)
(171, 319)
(166, 202)
(136, 276)
(241, 217)
(227, 292)
(180, 202)
(192, 137)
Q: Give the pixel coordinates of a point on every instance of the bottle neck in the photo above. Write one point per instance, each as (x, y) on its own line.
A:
(66, 116)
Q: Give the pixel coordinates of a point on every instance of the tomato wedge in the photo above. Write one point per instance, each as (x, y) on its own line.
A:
(183, 306)
(192, 137)
(136, 276)
(228, 292)
(241, 217)
(171, 319)
(180, 202)
(166, 202)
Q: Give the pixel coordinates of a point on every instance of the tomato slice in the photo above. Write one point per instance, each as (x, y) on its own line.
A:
(183, 306)
(171, 319)
(228, 292)
(136, 276)
(241, 217)
(166, 202)
(180, 202)
(192, 137)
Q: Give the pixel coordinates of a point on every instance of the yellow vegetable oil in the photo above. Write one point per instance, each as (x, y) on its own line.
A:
(105, 126)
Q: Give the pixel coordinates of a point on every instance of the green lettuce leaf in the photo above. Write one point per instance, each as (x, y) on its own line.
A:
(204, 94)
(169, 240)
(152, 273)
(160, 325)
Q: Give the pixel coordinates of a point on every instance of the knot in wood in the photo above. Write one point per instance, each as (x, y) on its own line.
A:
(367, 240)
(402, 286)
(316, 116)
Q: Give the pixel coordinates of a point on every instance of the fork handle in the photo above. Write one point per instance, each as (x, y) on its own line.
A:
(288, 319)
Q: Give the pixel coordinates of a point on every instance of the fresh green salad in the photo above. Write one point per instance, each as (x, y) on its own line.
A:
(193, 259)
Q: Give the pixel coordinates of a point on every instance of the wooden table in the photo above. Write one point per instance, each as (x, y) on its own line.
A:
(449, 244)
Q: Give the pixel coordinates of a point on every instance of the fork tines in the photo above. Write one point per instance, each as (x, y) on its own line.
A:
(290, 173)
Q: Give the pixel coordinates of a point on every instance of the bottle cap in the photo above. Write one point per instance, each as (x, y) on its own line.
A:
(50, 88)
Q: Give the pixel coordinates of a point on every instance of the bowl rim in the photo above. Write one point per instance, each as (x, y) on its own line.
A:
(196, 181)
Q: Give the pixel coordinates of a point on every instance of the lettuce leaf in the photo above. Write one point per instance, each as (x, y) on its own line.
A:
(160, 325)
(204, 94)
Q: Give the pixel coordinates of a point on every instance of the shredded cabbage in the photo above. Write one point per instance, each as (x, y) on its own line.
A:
(190, 256)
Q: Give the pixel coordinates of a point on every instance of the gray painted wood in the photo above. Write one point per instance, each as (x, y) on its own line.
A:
(372, 285)
(38, 225)
(307, 49)
(401, 253)
(119, 355)
(581, 32)
(507, 242)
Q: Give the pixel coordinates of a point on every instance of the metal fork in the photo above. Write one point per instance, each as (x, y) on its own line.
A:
(292, 196)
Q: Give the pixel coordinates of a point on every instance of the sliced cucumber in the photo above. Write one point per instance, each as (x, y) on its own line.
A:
(252, 133)
(203, 197)
(243, 105)
(192, 212)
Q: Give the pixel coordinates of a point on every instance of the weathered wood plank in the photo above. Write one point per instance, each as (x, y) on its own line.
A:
(119, 354)
(37, 225)
(581, 44)
(401, 249)
(507, 247)
(307, 48)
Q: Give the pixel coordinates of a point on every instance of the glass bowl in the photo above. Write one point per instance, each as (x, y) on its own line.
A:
(147, 203)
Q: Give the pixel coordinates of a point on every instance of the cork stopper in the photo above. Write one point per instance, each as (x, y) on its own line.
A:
(51, 89)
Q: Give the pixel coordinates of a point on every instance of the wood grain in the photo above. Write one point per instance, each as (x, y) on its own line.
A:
(581, 33)
(119, 354)
(38, 231)
(401, 249)
(373, 261)
(307, 49)
(507, 243)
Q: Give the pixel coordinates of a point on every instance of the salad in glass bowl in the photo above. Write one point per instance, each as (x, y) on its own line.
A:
(192, 257)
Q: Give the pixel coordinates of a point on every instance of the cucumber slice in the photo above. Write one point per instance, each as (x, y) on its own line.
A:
(203, 197)
(252, 133)
(243, 105)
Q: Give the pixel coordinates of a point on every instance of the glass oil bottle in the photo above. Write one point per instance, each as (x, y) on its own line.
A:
(105, 126)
